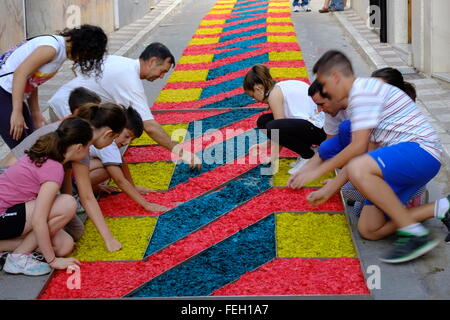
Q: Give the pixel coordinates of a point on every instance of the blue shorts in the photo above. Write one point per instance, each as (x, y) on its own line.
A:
(331, 147)
(406, 167)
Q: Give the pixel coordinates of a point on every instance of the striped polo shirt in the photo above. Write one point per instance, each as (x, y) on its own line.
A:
(393, 116)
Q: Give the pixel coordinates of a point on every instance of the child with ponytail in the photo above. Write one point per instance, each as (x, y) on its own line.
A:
(32, 213)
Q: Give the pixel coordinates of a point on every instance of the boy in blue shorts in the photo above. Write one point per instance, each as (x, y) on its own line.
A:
(408, 157)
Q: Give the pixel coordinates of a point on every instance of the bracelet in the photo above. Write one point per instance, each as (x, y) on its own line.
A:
(53, 260)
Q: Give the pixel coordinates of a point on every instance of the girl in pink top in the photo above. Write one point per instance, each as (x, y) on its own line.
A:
(32, 213)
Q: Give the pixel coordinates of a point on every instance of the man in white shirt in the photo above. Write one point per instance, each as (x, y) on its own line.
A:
(408, 157)
(121, 83)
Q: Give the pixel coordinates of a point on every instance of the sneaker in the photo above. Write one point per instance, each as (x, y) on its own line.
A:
(446, 222)
(306, 8)
(299, 164)
(295, 163)
(26, 264)
(409, 247)
(3, 256)
(296, 9)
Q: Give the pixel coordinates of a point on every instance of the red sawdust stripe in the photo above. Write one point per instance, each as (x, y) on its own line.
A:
(300, 276)
(110, 280)
(212, 48)
(121, 205)
(186, 117)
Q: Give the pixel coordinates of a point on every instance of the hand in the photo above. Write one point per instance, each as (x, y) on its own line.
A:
(191, 159)
(144, 191)
(155, 207)
(325, 182)
(18, 125)
(38, 120)
(300, 179)
(64, 263)
(318, 197)
(113, 245)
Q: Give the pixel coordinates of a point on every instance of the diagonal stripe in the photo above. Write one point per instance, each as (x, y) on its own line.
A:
(192, 215)
(305, 277)
(217, 266)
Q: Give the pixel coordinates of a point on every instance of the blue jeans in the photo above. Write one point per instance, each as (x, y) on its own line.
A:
(304, 3)
(331, 147)
(337, 5)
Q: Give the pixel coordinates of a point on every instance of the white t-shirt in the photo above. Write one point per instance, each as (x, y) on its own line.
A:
(44, 73)
(120, 83)
(331, 126)
(298, 104)
(110, 155)
(393, 116)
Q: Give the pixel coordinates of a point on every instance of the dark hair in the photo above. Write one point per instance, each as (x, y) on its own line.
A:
(80, 96)
(333, 60)
(394, 77)
(316, 87)
(134, 122)
(88, 47)
(55, 144)
(108, 115)
(159, 51)
(259, 74)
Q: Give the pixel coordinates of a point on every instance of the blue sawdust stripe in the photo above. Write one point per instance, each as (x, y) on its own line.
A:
(232, 53)
(244, 25)
(198, 128)
(238, 101)
(225, 86)
(194, 214)
(248, 33)
(217, 266)
(222, 153)
(246, 43)
(236, 19)
(244, 3)
(237, 66)
(251, 9)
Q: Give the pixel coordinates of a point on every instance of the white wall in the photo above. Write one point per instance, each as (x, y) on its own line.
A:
(431, 35)
(361, 7)
(397, 21)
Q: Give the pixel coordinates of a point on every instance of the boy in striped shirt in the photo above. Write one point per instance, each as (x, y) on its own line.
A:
(407, 157)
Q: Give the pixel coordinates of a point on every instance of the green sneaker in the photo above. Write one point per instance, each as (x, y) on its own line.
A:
(409, 247)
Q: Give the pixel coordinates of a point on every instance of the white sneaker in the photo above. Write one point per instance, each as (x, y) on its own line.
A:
(295, 163)
(300, 164)
(306, 8)
(26, 264)
(296, 9)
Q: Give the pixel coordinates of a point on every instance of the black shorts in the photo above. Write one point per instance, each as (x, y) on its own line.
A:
(12, 223)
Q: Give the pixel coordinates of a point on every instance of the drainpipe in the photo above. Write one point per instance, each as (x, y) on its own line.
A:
(116, 15)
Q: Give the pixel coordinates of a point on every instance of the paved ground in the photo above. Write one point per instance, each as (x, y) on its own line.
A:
(422, 279)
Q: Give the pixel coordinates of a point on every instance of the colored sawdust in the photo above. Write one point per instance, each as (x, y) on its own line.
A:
(133, 233)
(313, 235)
(281, 178)
(176, 131)
(155, 175)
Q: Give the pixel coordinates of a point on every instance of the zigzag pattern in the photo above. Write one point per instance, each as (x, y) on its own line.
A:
(232, 230)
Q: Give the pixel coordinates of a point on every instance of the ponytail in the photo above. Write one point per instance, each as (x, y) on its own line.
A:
(395, 78)
(259, 74)
(104, 115)
(54, 145)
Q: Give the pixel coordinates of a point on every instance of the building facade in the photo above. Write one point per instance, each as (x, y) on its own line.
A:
(420, 27)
